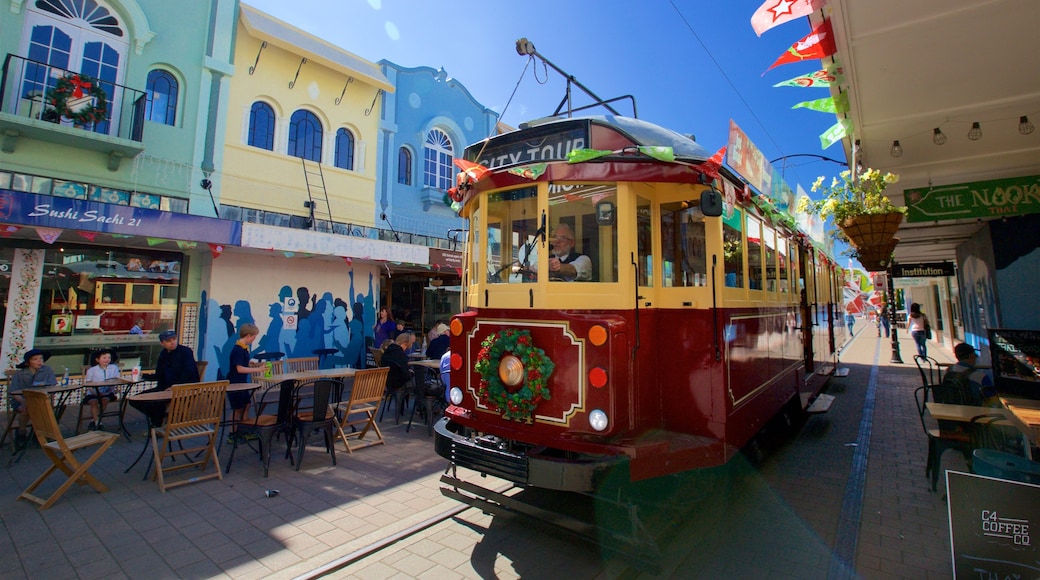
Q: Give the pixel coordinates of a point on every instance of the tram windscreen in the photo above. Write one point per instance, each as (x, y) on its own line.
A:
(512, 238)
(583, 223)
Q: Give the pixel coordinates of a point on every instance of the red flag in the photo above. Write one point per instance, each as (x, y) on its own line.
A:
(711, 165)
(474, 171)
(818, 44)
(216, 250)
(776, 12)
(87, 235)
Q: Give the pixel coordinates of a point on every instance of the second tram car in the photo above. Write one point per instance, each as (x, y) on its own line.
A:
(688, 325)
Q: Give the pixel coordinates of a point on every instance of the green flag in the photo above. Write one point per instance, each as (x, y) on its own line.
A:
(155, 241)
(582, 155)
(831, 75)
(529, 171)
(836, 133)
(657, 152)
(835, 104)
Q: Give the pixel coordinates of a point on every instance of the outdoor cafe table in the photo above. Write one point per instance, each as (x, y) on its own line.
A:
(1025, 414)
(428, 363)
(167, 395)
(119, 383)
(302, 376)
(961, 413)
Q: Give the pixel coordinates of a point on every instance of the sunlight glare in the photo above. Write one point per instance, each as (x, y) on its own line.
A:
(392, 32)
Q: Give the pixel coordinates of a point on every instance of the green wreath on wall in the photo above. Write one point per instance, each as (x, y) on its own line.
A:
(77, 86)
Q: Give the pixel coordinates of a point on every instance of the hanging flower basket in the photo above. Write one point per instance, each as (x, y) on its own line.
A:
(872, 231)
(877, 258)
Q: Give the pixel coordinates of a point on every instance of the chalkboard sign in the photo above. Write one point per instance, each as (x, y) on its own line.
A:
(1016, 361)
(993, 527)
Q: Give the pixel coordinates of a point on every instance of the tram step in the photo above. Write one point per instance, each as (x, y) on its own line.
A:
(822, 404)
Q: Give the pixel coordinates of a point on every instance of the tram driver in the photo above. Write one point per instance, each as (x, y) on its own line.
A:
(565, 262)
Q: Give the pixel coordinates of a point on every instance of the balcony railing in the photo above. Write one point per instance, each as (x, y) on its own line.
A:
(27, 91)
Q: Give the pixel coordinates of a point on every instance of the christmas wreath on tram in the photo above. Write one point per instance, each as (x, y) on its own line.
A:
(78, 98)
(514, 374)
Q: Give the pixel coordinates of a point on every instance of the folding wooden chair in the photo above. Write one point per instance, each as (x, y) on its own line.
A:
(365, 398)
(195, 412)
(307, 363)
(60, 450)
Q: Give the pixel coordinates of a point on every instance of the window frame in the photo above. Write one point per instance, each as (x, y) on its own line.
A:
(301, 122)
(169, 116)
(344, 135)
(404, 166)
(438, 153)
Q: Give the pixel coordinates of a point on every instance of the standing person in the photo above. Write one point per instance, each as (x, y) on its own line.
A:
(850, 321)
(919, 328)
(566, 263)
(385, 327)
(103, 368)
(31, 373)
(175, 366)
(241, 371)
(886, 321)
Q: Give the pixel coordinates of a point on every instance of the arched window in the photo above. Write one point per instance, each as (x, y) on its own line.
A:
(261, 126)
(344, 149)
(161, 106)
(305, 135)
(438, 153)
(404, 166)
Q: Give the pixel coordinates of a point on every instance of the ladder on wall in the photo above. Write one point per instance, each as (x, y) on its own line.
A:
(320, 217)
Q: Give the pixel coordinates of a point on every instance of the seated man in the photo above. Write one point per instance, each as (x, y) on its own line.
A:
(395, 356)
(967, 385)
(175, 366)
(566, 263)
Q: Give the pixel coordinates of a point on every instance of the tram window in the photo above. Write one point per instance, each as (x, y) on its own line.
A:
(512, 216)
(683, 255)
(733, 249)
(769, 237)
(644, 232)
(113, 293)
(474, 234)
(781, 254)
(575, 207)
(142, 294)
(168, 294)
(754, 252)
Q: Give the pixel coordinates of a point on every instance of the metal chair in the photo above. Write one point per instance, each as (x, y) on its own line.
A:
(360, 409)
(430, 390)
(940, 439)
(61, 450)
(312, 410)
(195, 412)
(265, 424)
(931, 373)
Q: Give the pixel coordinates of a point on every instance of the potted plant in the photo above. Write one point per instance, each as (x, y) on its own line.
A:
(861, 210)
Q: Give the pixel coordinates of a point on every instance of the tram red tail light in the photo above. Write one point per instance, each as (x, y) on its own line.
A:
(456, 361)
(598, 377)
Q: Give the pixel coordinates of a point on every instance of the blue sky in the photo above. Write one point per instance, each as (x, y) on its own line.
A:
(670, 55)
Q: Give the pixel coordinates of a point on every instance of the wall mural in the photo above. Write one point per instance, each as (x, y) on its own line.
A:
(310, 309)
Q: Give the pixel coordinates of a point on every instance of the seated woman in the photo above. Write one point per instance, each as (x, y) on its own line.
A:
(439, 343)
(31, 373)
(103, 368)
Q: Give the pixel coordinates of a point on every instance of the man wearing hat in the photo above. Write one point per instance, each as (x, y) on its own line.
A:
(31, 373)
(974, 386)
(102, 368)
(175, 366)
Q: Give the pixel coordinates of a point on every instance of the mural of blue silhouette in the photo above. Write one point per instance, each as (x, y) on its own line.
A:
(355, 354)
(215, 339)
(340, 336)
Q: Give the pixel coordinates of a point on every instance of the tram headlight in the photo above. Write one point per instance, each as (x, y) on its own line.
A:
(598, 420)
(456, 396)
(511, 370)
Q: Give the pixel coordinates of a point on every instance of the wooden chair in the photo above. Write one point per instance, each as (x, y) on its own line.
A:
(61, 451)
(312, 410)
(195, 412)
(377, 355)
(940, 439)
(360, 410)
(265, 424)
(307, 363)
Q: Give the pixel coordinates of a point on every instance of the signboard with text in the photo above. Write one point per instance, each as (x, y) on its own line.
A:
(551, 142)
(923, 270)
(992, 527)
(978, 199)
(30, 209)
(1015, 356)
(747, 160)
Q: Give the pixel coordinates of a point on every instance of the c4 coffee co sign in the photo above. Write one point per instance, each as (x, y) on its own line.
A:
(979, 199)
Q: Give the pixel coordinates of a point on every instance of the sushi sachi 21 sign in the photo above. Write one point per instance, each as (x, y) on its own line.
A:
(978, 199)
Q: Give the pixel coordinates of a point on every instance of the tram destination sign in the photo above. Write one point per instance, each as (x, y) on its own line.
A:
(550, 142)
(931, 269)
(978, 199)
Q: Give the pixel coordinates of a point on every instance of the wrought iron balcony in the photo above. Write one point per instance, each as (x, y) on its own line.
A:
(45, 102)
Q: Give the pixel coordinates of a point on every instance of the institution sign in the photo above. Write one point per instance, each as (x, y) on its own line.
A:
(979, 199)
(923, 270)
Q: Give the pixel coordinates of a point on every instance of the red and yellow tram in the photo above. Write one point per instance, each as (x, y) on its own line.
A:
(692, 323)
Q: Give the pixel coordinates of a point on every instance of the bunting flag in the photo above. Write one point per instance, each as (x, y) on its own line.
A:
(87, 235)
(187, 245)
(474, 171)
(713, 164)
(48, 235)
(836, 133)
(831, 75)
(121, 236)
(776, 12)
(836, 104)
(8, 230)
(348, 260)
(216, 250)
(658, 153)
(583, 155)
(156, 241)
(288, 254)
(817, 44)
(528, 171)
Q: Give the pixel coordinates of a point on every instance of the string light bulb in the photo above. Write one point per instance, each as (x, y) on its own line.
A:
(975, 133)
(1024, 126)
(937, 136)
(897, 149)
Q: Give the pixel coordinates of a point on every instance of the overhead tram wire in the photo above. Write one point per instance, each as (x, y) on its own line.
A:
(725, 76)
(502, 115)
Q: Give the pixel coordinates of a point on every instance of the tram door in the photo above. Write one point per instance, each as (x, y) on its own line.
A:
(807, 286)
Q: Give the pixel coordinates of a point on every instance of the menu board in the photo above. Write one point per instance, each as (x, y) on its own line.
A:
(991, 526)
(1016, 361)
